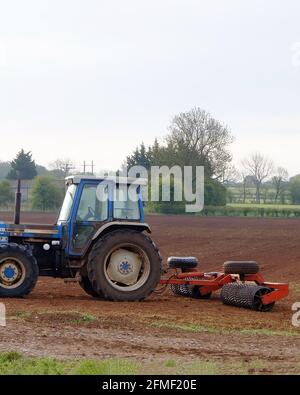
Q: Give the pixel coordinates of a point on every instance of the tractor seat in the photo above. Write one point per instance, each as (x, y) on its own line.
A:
(181, 262)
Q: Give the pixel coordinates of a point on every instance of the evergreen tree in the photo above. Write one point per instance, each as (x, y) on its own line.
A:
(140, 157)
(23, 166)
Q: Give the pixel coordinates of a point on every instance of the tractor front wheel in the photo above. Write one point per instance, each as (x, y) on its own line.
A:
(124, 265)
(18, 271)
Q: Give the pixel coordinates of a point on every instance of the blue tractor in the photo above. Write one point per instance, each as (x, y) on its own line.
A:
(100, 240)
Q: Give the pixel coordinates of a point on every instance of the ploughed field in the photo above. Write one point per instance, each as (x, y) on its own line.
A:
(166, 333)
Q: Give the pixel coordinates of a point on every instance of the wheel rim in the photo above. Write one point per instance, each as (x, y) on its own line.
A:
(12, 273)
(127, 267)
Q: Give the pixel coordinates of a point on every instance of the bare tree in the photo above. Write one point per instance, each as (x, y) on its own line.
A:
(265, 193)
(245, 179)
(280, 181)
(231, 175)
(260, 168)
(198, 138)
(62, 167)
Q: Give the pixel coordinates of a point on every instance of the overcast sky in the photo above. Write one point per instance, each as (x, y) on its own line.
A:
(90, 79)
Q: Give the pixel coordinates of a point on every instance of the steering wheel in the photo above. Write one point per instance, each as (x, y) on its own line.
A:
(91, 214)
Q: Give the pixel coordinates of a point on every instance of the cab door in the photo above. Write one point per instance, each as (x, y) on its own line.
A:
(91, 212)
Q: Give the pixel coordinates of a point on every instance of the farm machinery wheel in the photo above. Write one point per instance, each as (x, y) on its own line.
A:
(88, 288)
(185, 263)
(246, 295)
(189, 291)
(124, 265)
(18, 271)
(241, 267)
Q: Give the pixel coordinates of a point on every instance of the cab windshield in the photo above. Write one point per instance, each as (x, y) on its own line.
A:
(67, 204)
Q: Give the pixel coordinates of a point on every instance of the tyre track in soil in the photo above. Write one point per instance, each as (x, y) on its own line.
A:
(126, 330)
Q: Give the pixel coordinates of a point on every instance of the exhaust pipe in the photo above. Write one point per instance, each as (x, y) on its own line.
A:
(18, 204)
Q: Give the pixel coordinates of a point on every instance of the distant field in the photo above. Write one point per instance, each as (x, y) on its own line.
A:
(254, 210)
(274, 206)
(267, 195)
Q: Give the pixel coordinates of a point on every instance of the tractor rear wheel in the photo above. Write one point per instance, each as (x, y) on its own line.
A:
(88, 288)
(125, 265)
(18, 271)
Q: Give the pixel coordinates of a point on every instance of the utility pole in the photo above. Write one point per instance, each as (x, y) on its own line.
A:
(18, 200)
(86, 165)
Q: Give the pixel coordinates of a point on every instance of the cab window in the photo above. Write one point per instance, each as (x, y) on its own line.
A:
(67, 204)
(91, 208)
(126, 202)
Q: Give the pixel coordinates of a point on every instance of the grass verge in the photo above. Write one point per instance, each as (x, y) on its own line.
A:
(13, 363)
(194, 328)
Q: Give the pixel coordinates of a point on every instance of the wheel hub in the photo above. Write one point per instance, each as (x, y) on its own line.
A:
(12, 273)
(124, 267)
(9, 272)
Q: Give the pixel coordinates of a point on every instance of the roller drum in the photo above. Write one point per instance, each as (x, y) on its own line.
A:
(245, 295)
(189, 291)
(183, 289)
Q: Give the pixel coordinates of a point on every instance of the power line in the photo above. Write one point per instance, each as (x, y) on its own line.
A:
(86, 165)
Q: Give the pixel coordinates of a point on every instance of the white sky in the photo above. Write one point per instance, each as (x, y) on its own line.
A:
(91, 79)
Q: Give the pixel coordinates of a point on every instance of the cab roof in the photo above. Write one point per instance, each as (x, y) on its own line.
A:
(76, 179)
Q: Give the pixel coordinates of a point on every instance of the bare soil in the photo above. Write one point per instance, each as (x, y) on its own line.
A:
(61, 321)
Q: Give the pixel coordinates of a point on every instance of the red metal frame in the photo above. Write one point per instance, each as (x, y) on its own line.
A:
(210, 282)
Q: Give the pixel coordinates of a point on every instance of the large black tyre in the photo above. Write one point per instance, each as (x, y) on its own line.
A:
(18, 271)
(246, 295)
(86, 285)
(241, 267)
(182, 262)
(102, 266)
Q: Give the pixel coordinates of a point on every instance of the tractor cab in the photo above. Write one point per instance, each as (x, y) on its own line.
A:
(93, 206)
(97, 200)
